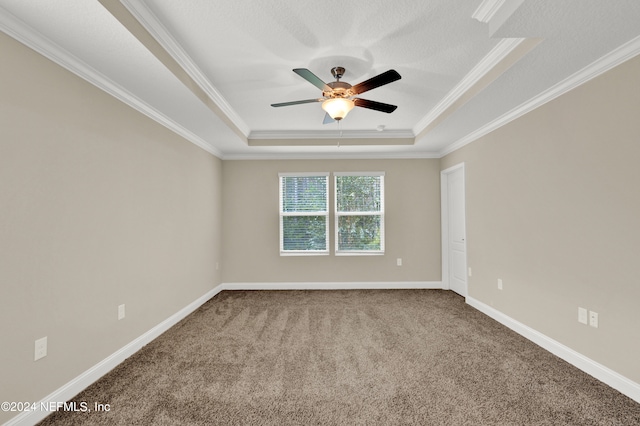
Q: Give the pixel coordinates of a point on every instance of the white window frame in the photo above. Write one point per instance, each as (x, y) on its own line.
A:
(338, 214)
(324, 213)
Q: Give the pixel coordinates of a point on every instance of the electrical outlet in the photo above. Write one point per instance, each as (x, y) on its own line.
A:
(499, 284)
(121, 311)
(593, 319)
(399, 261)
(582, 315)
(469, 270)
(40, 348)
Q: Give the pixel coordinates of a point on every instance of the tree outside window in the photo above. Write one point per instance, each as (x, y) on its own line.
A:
(359, 213)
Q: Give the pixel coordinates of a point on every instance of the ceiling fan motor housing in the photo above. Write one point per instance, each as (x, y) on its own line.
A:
(339, 89)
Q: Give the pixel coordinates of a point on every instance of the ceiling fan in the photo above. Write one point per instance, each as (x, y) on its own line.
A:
(338, 97)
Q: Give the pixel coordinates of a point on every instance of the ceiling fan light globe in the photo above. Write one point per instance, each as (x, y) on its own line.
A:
(338, 108)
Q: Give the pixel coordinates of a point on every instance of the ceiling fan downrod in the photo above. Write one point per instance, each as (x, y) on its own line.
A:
(337, 72)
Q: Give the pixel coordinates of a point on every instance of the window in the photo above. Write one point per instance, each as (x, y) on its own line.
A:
(304, 213)
(359, 213)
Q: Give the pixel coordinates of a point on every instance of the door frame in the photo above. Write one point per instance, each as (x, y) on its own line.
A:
(444, 220)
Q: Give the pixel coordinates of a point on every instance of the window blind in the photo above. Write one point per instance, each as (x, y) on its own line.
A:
(359, 213)
(304, 213)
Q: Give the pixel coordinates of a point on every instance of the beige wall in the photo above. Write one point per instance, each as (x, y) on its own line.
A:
(553, 208)
(251, 225)
(99, 206)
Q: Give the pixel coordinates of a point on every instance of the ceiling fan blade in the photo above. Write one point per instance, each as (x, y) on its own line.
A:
(377, 81)
(327, 119)
(305, 101)
(312, 78)
(378, 106)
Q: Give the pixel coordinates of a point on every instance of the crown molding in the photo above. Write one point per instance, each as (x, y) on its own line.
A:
(612, 59)
(153, 25)
(334, 156)
(485, 66)
(495, 13)
(330, 134)
(31, 38)
(487, 10)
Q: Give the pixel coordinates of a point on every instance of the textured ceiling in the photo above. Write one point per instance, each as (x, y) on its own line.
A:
(210, 70)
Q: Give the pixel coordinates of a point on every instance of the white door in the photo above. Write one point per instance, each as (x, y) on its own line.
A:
(454, 235)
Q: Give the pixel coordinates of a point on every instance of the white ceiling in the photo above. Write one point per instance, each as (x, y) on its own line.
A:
(210, 70)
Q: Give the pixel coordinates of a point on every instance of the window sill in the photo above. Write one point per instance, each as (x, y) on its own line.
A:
(304, 253)
(359, 253)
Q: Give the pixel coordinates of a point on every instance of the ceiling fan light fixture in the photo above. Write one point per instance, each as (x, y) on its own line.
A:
(337, 96)
(338, 108)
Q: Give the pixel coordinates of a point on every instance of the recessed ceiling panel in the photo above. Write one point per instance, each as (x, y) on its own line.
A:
(463, 72)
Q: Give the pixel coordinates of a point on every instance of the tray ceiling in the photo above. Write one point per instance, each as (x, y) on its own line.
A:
(210, 70)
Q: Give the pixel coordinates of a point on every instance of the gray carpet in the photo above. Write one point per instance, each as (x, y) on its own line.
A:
(360, 357)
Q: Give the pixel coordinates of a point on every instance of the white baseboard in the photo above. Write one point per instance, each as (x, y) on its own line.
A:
(77, 385)
(431, 285)
(589, 366)
(84, 380)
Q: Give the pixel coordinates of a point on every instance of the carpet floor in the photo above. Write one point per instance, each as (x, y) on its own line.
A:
(356, 357)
